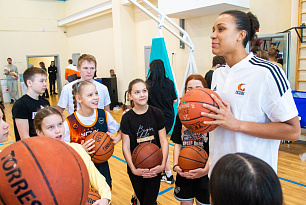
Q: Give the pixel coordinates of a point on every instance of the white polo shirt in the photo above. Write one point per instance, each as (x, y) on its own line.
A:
(66, 98)
(257, 91)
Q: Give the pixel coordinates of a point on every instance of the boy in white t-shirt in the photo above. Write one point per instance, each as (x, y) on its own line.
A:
(87, 65)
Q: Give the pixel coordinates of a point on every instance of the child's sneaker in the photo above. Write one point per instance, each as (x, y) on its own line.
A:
(169, 180)
(134, 201)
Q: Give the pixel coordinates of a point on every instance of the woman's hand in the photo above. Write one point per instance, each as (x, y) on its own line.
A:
(223, 117)
(88, 145)
(103, 201)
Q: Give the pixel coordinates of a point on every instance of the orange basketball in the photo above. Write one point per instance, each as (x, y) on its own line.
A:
(191, 106)
(104, 147)
(42, 170)
(192, 157)
(258, 42)
(93, 196)
(147, 155)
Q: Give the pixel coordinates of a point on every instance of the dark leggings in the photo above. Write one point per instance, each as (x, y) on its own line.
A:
(146, 189)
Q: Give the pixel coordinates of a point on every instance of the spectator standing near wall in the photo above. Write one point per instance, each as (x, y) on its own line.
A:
(11, 73)
(112, 73)
(52, 70)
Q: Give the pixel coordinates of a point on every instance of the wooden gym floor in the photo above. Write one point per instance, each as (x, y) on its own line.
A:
(291, 170)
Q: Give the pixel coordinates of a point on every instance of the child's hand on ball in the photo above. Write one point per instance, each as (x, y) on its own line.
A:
(88, 145)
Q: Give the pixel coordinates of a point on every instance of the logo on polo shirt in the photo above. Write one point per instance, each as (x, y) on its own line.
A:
(241, 89)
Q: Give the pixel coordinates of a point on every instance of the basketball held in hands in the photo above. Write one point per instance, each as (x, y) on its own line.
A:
(192, 157)
(104, 147)
(191, 107)
(147, 155)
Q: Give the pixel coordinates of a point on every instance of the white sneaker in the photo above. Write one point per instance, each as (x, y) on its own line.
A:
(169, 180)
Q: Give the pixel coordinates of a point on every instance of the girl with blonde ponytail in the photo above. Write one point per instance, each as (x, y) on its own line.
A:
(89, 119)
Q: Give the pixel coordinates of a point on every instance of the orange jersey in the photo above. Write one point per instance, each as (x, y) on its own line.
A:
(79, 131)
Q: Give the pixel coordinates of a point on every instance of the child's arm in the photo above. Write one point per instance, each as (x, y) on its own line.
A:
(128, 158)
(113, 126)
(165, 150)
(23, 128)
(117, 138)
(107, 108)
(60, 109)
(176, 153)
(97, 180)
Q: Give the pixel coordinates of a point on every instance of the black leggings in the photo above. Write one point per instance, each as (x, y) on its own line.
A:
(146, 189)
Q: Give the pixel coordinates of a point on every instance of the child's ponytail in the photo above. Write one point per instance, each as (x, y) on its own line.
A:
(76, 90)
(124, 106)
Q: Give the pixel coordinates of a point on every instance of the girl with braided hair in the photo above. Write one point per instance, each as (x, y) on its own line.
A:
(89, 119)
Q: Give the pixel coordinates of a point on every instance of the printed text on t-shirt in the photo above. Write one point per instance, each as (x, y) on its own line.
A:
(143, 135)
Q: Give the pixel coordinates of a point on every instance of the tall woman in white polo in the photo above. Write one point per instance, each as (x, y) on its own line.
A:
(258, 108)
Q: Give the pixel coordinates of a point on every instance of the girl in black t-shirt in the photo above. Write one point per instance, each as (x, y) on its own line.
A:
(193, 184)
(143, 123)
(162, 95)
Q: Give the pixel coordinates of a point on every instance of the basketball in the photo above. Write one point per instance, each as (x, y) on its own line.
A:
(191, 106)
(147, 155)
(42, 170)
(104, 147)
(258, 42)
(93, 196)
(192, 157)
